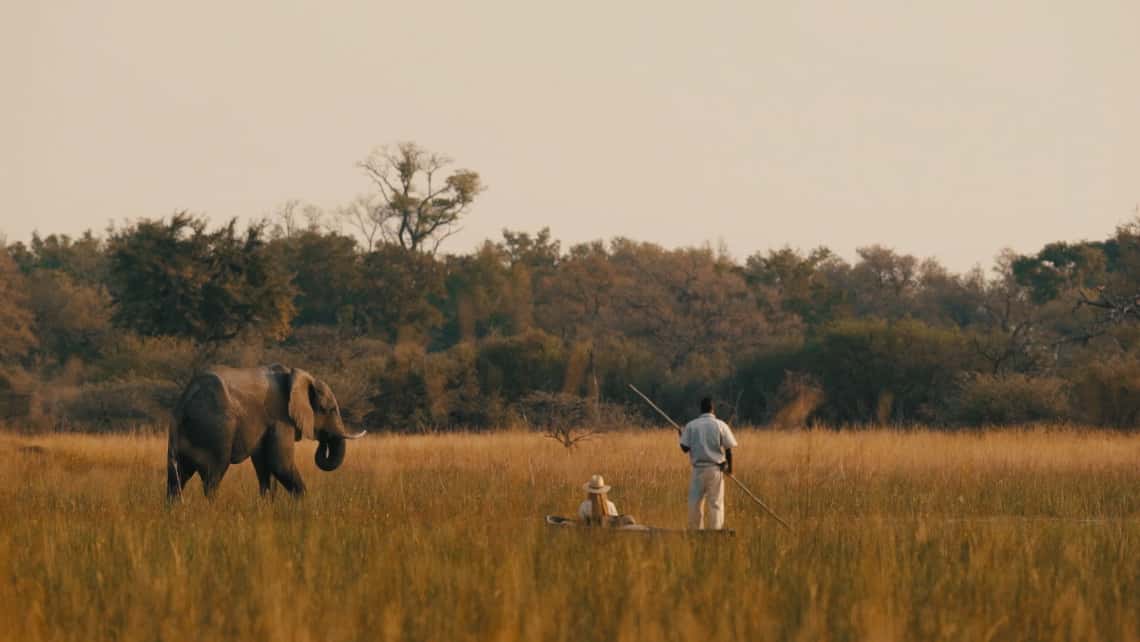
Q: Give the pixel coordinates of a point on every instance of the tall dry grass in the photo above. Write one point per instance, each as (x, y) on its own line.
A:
(1010, 535)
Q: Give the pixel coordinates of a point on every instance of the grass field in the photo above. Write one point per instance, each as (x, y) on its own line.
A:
(1031, 535)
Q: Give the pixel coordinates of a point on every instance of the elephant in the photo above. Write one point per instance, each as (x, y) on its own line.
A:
(228, 414)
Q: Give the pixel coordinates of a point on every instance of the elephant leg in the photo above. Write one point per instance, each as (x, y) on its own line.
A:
(279, 454)
(212, 476)
(291, 480)
(178, 473)
(264, 471)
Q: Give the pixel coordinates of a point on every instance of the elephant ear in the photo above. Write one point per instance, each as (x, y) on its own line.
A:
(323, 395)
(300, 407)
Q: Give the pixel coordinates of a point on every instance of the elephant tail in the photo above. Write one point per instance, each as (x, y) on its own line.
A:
(173, 474)
(176, 475)
(176, 428)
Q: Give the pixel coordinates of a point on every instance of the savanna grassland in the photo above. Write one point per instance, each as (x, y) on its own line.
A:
(1008, 535)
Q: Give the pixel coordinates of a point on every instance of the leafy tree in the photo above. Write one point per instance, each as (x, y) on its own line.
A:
(485, 296)
(531, 260)
(326, 274)
(83, 259)
(1106, 391)
(1013, 334)
(875, 371)
(398, 291)
(73, 319)
(949, 299)
(173, 278)
(884, 283)
(761, 380)
(418, 207)
(691, 305)
(1059, 268)
(786, 281)
(1004, 399)
(1098, 281)
(577, 302)
(17, 334)
(510, 367)
(539, 252)
(402, 400)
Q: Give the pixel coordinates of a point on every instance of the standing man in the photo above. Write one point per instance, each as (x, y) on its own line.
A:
(709, 443)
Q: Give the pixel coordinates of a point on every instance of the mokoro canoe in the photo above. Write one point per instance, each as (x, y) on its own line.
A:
(565, 522)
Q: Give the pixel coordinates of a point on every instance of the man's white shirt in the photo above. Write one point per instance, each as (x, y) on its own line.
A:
(707, 438)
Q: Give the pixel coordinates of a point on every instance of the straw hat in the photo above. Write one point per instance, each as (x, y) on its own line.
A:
(596, 485)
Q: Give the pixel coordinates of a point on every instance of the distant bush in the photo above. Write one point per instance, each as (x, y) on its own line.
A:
(413, 391)
(1004, 399)
(16, 397)
(399, 398)
(73, 319)
(1108, 392)
(875, 371)
(762, 379)
(129, 356)
(513, 366)
(321, 349)
(798, 397)
(467, 386)
(114, 406)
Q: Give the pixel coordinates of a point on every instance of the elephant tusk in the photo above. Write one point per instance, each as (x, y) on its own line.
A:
(357, 435)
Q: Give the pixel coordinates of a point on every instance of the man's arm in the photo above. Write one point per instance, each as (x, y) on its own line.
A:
(685, 439)
(727, 466)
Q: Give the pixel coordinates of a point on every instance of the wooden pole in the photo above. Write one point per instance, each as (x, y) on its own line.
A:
(758, 501)
(650, 402)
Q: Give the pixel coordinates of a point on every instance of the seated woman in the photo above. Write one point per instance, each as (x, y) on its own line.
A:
(598, 510)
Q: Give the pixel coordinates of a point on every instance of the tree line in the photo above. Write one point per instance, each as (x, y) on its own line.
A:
(104, 329)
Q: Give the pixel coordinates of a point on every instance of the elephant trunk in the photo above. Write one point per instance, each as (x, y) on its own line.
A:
(330, 453)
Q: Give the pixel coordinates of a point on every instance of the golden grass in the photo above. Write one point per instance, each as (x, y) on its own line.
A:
(1010, 535)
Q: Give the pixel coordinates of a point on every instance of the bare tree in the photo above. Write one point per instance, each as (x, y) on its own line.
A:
(565, 418)
(365, 216)
(288, 217)
(419, 207)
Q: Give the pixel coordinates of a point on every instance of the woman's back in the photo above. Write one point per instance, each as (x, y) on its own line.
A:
(596, 508)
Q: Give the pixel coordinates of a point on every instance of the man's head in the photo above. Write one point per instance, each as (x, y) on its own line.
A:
(706, 404)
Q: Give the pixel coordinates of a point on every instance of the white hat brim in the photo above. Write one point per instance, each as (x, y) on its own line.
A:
(595, 490)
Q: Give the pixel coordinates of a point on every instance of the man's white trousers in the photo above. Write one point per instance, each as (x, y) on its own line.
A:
(706, 490)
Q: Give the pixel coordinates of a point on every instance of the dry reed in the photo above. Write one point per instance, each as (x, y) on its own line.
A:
(993, 535)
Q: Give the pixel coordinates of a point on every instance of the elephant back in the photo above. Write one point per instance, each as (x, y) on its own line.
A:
(206, 392)
(244, 394)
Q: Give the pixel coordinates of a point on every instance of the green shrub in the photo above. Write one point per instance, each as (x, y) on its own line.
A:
(1004, 399)
(412, 391)
(129, 356)
(760, 382)
(1108, 392)
(511, 367)
(114, 406)
(880, 372)
(797, 399)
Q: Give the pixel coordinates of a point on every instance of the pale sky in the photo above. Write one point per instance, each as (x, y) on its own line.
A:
(947, 129)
